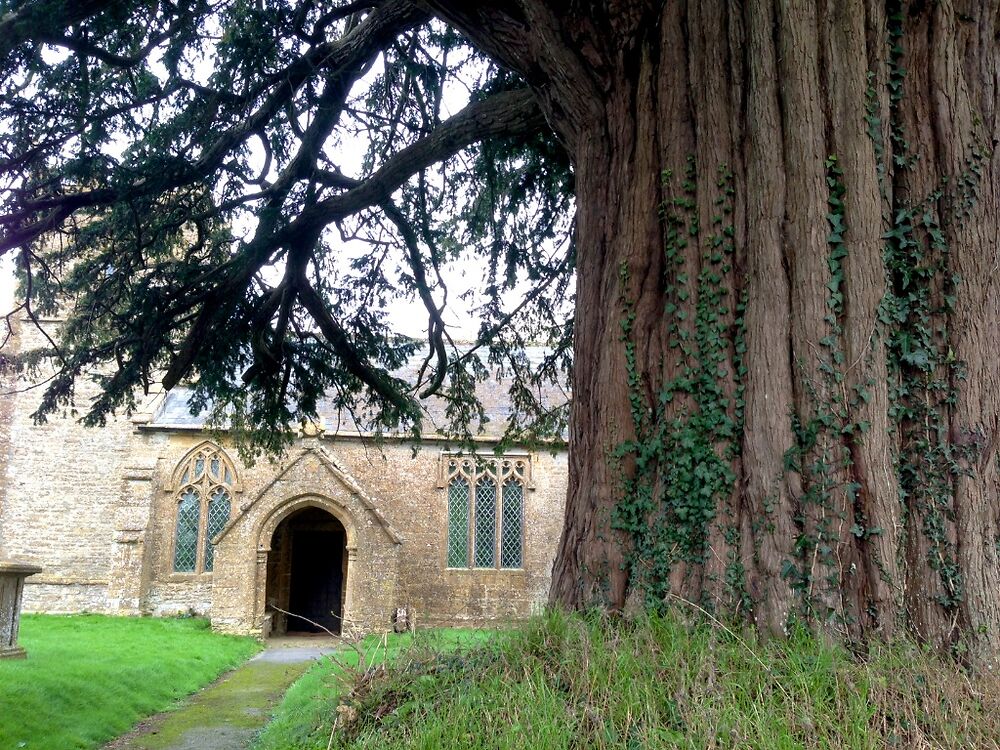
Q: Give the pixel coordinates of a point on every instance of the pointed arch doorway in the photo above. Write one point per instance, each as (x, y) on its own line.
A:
(307, 569)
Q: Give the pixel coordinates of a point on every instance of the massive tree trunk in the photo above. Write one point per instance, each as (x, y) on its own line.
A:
(787, 391)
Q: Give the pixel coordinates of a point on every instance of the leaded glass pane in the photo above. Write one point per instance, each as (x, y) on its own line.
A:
(218, 515)
(486, 523)
(199, 466)
(186, 543)
(214, 467)
(511, 528)
(229, 476)
(458, 523)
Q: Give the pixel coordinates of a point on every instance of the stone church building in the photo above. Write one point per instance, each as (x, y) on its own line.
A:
(151, 515)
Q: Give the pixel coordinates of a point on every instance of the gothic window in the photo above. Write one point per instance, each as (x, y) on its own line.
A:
(485, 511)
(204, 504)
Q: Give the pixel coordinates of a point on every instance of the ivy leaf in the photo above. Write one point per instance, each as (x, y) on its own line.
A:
(788, 569)
(918, 358)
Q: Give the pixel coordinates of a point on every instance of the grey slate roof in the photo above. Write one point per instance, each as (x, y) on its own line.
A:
(175, 410)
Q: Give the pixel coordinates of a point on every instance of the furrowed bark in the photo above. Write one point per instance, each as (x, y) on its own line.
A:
(962, 64)
(866, 378)
(853, 194)
(770, 493)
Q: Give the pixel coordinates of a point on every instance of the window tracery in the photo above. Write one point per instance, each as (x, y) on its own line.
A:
(486, 511)
(204, 505)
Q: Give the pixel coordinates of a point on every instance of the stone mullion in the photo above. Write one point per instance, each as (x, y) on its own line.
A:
(473, 502)
(505, 474)
(203, 490)
(498, 525)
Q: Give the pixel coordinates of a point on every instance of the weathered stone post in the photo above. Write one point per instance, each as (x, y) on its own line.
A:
(12, 575)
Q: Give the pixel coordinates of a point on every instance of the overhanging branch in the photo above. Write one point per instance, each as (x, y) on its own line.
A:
(506, 114)
(344, 54)
(33, 20)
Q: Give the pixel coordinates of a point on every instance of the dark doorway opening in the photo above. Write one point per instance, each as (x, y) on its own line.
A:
(306, 573)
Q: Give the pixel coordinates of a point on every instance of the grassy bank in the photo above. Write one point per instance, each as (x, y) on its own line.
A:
(306, 714)
(571, 682)
(89, 678)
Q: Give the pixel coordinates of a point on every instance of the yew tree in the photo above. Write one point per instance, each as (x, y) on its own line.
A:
(781, 220)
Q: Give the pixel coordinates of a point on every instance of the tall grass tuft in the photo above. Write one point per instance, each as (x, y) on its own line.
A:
(570, 681)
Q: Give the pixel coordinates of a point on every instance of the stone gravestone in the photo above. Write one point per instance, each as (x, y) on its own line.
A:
(12, 575)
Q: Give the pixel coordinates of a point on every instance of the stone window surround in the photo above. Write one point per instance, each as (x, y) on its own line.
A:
(456, 464)
(174, 488)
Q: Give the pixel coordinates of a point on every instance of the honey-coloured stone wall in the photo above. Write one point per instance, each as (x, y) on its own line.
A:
(61, 488)
(97, 509)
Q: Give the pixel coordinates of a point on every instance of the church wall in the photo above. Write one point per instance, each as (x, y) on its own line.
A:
(404, 488)
(61, 489)
(232, 593)
(373, 549)
(166, 592)
(8, 383)
(96, 508)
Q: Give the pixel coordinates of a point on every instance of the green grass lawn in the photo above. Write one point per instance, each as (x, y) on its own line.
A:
(89, 678)
(568, 682)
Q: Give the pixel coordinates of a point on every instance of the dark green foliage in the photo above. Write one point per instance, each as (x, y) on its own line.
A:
(179, 182)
